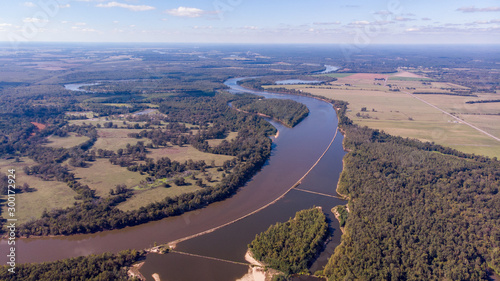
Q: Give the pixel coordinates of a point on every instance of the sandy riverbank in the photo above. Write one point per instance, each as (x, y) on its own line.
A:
(134, 271)
(256, 272)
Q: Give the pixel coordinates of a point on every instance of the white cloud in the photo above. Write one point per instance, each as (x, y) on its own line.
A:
(186, 12)
(202, 27)
(360, 22)
(473, 9)
(79, 28)
(5, 24)
(383, 22)
(487, 21)
(327, 23)
(64, 6)
(29, 4)
(135, 8)
(384, 13)
(34, 20)
(413, 29)
(81, 23)
(402, 19)
(251, 27)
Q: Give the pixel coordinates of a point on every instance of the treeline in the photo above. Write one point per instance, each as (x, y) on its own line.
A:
(291, 246)
(257, 83)
(445, 93)
(342, 214)
(288, 112)
(481, 101)
(418, 211)
(94, 267)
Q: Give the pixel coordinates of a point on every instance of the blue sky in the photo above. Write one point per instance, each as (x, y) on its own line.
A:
(252, 21)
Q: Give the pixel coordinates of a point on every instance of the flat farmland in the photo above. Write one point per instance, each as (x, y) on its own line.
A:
(48, 194)
(144, 197)
(398, 113)
(103, 176)
(114, 139)
(66, 142)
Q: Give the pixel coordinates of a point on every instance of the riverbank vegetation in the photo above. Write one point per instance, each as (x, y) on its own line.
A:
(341, 214)
(210, 118)
(94, 267)
(288, 112)
(419, 210)
(291, 246)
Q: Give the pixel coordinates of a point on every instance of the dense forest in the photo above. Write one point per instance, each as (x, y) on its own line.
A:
(418, 211)
(288, 112)
(290, 246)
(94, 267)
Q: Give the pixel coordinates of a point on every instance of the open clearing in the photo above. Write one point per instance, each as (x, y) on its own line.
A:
(398, 113)
(114, 139)
(215, 142)
(103, 176)
(143, 198)
(48, 194)
(66, 142)
(187, 152)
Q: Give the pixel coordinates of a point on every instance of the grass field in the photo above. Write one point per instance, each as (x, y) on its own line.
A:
(143, 198)
(398, 78)
(67, 142)
(400, 114)
(231, 136)
(336, 75)
(187, 152)
(48, 194)
(118, 104)
(155, 193)
(114, 139)
(102, 176)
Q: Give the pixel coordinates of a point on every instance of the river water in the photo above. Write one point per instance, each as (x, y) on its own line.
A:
(78, 87)
(230, 242)
(294, 152)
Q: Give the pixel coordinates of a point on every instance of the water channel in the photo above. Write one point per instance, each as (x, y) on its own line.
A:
(294, 152)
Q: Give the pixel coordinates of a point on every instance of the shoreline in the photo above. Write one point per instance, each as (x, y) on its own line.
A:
(337, 216)
(277, 134)
(134, 271)
(299, 182)
(265, 116)
(257, 270)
